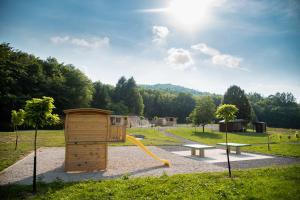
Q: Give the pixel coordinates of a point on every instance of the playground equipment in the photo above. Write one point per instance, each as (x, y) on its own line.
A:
(87, 133)
(139, 144)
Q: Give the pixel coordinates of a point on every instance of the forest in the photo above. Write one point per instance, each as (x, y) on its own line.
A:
(24, 76)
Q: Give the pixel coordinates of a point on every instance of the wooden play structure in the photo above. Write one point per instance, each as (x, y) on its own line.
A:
(87, 134)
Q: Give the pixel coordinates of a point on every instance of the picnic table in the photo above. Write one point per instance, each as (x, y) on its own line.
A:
(236, 145)
(201, 148)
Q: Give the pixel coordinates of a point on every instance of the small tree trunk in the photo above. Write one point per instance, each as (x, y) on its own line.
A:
(34, 164)
(203, 128)
(227, 152)
(16, 145)
(269, 142)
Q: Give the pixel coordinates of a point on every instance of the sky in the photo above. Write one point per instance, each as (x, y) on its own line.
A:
(206, 45)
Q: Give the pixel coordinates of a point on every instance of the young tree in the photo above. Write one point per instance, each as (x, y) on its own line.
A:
(38, 113)
(17, 119)
(204, 112)
(227, 112)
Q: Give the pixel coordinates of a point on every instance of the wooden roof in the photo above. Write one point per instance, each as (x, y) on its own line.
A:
(94, 110)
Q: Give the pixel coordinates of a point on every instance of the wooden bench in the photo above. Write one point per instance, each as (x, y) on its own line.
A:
(201, 148)
(236, 145)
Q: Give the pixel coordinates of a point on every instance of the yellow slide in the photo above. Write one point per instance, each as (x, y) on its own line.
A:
(138, 143)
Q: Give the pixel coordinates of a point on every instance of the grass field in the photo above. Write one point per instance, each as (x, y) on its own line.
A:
(266, 183)
(282, 144)
(8, 155)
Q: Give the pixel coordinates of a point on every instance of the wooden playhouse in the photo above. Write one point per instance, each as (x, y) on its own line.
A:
(87, 134)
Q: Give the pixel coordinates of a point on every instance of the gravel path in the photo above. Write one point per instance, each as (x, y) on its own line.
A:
(130, 160)
(121, 160)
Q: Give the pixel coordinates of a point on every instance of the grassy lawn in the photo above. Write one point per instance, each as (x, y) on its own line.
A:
(47, 138)
(281, 144)
(8, 155)
(152, 137)
(265, 183)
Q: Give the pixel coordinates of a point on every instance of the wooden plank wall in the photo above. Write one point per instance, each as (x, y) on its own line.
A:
(86, 141)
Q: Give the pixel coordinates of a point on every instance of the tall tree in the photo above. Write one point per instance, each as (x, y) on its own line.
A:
(102, 95)
(204, 112)
(182, 106)
(38, 113)
(133, 98)
(127, 92)
(236, 96)
(227, 112)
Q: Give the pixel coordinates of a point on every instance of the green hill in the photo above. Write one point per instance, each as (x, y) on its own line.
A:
(173, 89)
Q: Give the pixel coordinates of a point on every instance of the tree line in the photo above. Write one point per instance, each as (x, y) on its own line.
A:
(24, 76)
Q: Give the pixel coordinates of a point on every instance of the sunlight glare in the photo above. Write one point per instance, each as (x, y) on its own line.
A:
(192, 14)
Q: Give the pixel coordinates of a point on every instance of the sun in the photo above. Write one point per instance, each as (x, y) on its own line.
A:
(192, 14)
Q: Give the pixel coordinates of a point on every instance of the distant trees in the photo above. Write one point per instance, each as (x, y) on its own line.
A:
(23, 76)
(102, 96)
(236, 96)
(123, 99)
(183, 104)
(204, 112)
(160, 103)
(279, 110)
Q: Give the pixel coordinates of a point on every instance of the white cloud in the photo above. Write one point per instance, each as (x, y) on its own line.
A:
(160, 33)
(94, 43)
(217, 58)
(205, 49)
(58, 40)
(179, 58)
(227, 60)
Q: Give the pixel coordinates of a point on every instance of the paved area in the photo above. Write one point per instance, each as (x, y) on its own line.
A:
(134, 162)
(121, 160)
(219, 156)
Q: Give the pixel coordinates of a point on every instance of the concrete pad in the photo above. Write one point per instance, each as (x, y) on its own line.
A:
(219, 155)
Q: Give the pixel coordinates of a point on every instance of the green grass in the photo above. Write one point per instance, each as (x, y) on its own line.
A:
(265, 183)
(8, 155)
(152, 137)
(281, 144)
(47, 138)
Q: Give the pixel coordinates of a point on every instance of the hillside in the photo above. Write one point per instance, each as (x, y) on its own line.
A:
(173, 89)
